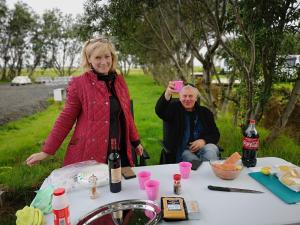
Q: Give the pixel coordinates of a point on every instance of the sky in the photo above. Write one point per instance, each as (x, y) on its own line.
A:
(39, 6)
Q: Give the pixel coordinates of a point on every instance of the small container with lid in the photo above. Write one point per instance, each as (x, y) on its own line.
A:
(177, 184)
(60, 207)
(93, 190)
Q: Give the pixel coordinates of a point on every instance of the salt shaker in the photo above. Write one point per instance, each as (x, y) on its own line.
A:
(93, 189)
(177, 184)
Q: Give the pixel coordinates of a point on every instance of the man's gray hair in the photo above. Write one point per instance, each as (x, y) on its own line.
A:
(188, 86)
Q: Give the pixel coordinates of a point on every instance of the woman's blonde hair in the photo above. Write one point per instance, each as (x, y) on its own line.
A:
(101, 44)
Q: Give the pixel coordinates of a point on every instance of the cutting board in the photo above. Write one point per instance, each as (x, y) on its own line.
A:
(272, 183)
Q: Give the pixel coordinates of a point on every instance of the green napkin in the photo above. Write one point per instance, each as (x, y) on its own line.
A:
(272, 183)
(43, 199)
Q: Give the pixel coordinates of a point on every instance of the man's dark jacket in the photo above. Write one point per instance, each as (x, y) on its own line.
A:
(172, 113)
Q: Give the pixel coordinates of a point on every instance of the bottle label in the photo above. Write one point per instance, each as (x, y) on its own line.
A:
(62, 216)
(116, 175)
(250, 143)
(118, 214)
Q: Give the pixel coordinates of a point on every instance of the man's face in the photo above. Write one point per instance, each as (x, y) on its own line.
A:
(188, 97)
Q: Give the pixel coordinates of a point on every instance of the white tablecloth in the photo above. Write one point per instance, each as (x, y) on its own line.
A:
(215, 207)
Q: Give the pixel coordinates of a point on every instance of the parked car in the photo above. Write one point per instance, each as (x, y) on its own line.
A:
(43, 80)
(288, 66)
(20, 80)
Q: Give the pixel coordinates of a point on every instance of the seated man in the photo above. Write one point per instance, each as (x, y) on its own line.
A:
(191, 130)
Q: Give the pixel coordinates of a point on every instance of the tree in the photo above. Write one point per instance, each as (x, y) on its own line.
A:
(283, 119)
(67, 45)
(256, 27)
(59, 42)
(129, 21)
(38, 45)
(19, 30)
(3, 38)
(273, 20)
(164, 36)
(202, 37)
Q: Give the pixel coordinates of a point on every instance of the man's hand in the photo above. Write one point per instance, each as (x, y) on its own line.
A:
(196, 145)
(170, 90)
(36, 158)
(139, 150)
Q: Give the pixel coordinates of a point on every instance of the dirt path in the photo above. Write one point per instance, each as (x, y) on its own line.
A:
(19, 101)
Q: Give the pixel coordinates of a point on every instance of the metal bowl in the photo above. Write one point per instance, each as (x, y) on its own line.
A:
(124, 212)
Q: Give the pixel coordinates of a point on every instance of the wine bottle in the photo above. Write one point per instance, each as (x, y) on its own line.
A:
(114, 165)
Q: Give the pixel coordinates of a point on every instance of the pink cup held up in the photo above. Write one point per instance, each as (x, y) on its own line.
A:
(143, 176)
(178, 85)
(152, 189)
(185, 169)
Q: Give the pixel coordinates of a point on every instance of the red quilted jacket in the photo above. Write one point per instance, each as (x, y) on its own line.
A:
(87, 104)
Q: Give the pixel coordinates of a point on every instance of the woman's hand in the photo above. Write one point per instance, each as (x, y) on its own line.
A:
(139, 150)
(36, 158)
(170, 90)
(196, 145)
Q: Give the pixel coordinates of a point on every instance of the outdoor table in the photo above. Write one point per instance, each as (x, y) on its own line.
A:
(215, 207)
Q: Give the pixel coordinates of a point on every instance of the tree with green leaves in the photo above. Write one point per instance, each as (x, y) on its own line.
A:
(15, 42)
(257, 28)
(164, 36)
(142, 30)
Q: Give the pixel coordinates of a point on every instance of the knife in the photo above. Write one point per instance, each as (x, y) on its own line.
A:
(230, 189)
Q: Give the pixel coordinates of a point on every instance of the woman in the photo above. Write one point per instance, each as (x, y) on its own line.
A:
(98, 102)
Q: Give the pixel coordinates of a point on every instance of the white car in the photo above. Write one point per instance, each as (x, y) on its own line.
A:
(20, 80)
(43, 80)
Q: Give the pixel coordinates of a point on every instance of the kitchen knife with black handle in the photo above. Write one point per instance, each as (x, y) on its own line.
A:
(230, 189)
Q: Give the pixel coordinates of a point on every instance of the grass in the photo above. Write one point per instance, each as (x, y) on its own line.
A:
(283, 147)
(148, 124)
(21, 138)
(18, 140)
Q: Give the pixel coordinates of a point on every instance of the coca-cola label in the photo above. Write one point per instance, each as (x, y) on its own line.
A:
(62, 216)
(250, 143)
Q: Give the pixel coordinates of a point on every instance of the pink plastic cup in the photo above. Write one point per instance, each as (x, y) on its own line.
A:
(143, 176)
(152, 189)
(185, 169)
(178, 85)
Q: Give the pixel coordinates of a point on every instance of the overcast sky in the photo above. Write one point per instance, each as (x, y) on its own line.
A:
(39, 6)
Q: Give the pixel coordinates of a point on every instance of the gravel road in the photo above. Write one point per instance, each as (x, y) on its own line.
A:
(19, 101)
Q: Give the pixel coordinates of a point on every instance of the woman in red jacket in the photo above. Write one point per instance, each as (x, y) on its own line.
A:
(98, 103)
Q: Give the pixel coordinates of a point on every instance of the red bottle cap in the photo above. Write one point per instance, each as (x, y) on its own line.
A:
(176, 177)
(252, 121)
(59, 191)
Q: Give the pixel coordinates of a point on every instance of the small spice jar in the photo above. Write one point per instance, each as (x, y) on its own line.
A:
(93, 182)
(177, 184)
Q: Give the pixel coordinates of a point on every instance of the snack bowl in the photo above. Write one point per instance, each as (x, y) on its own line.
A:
(226, 171)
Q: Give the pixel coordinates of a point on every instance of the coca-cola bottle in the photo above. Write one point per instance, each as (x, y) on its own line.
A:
(250, 145)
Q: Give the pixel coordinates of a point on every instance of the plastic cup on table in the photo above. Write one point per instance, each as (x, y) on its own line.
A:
(143, 176)
(185, 169)
(152, 189)
(178, 85)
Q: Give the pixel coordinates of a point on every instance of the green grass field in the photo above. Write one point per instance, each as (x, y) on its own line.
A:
(21, 138)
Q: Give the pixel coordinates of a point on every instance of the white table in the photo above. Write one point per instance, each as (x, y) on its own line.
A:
(215, 207)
